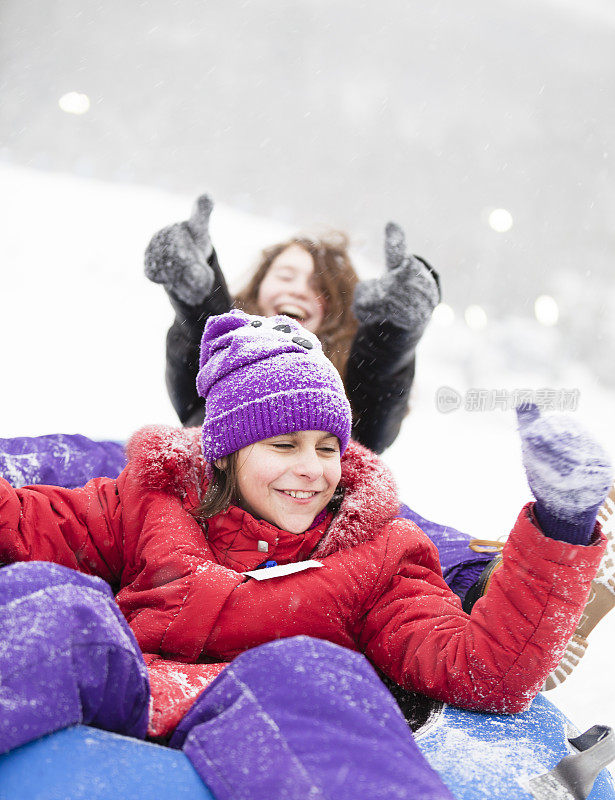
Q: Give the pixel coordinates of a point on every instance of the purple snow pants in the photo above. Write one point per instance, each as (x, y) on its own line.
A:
(66, 656)
(303, 718)
(295, 719)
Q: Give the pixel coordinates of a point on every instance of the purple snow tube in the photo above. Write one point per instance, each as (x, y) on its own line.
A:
(461, 566)
(59, 459)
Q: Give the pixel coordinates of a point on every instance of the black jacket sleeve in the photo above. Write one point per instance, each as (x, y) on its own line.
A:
(183, 344)
(379, 376)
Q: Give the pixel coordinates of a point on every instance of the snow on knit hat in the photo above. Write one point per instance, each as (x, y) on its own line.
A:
(264, 376)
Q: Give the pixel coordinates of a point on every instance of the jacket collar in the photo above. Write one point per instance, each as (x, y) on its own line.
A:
(240, 541)
(170, 460)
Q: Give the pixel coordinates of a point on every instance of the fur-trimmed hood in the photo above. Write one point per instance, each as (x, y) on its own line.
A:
(171, 460)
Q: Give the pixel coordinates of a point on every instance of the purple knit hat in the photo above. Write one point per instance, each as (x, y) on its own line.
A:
(264, 376)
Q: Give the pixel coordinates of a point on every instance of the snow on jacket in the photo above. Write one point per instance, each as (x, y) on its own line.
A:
(380, 590)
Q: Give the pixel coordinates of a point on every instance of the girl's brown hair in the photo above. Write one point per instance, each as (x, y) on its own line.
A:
(336, 279)
(222, 490)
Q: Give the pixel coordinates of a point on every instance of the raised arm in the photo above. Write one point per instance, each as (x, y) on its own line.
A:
(181, 257)
(393, 311)
(496, 658)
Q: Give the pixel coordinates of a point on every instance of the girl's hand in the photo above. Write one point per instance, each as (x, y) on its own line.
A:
(569, 473)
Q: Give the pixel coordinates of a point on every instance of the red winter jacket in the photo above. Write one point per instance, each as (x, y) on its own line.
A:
(380, 590)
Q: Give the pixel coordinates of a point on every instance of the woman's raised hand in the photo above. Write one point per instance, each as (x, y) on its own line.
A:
(177, 255)
(406, 294)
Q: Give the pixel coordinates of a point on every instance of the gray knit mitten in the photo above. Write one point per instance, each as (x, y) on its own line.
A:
(406, 294)
(569, 474)
(177, 255)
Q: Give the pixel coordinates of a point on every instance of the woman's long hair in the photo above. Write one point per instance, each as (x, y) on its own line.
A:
(336, 279)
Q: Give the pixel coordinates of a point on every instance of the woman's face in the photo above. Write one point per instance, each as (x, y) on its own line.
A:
(289, 287)
(287, 480)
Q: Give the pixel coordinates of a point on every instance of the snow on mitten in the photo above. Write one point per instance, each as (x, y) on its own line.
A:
(569, 474)
(177, 255)
(406, 294)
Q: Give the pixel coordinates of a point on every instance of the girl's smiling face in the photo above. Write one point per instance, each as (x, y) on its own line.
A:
(289, 479)
(289, 288)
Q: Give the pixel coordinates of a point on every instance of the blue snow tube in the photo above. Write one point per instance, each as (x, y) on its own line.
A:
(479, 756)
(83, 763)
(494, 756)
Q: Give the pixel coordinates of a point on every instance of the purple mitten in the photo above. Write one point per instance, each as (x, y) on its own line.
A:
(177, 255)
(406, 294)
(568, 472)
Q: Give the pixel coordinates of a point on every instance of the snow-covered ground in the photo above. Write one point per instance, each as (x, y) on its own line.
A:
(83, 335)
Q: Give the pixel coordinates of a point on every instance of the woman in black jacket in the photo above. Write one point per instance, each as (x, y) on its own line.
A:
(369, 329)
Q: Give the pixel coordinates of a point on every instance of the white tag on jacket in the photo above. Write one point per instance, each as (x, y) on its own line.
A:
(265, 573)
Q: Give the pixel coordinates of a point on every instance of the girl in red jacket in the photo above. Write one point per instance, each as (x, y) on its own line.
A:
(269, 524)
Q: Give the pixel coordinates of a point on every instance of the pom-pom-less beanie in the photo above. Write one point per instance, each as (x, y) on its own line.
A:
(265, 376)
